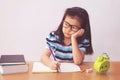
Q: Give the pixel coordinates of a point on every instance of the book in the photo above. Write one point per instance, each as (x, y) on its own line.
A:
(39, 67)
(12, 59)
(13, 69)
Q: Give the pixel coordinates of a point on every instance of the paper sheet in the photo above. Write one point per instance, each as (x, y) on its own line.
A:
(64, 67)
(69, 67)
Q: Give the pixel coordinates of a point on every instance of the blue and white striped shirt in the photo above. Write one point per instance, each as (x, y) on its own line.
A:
(62, 52)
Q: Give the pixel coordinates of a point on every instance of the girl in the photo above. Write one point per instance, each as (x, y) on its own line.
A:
(71, 41)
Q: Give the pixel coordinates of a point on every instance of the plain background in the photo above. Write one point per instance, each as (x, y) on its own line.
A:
(24, 25)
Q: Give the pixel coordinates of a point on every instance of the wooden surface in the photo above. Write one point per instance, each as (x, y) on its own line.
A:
(112, 74)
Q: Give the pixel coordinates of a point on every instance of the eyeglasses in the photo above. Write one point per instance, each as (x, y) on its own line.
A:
(72, 27)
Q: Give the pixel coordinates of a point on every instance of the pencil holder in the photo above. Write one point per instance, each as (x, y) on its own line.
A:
(102, 63)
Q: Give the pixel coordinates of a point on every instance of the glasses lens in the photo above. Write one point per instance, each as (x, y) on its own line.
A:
(75, 28)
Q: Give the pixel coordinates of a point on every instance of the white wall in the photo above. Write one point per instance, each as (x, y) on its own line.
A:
(24, 25)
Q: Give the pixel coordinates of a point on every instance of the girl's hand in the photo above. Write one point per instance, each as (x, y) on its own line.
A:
(54, 65)
(78, 33)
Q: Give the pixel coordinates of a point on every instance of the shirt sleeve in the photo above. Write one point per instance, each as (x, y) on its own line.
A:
(50, 41)
(83, 45)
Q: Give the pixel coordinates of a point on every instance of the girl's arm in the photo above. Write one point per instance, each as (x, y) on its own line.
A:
(45, 59)
(78, 56)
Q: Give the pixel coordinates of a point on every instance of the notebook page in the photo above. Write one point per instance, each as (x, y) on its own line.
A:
(39, 67)
(64, 67)
(69, 67)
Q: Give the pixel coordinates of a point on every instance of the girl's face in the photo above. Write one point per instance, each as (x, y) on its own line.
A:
(70, 26)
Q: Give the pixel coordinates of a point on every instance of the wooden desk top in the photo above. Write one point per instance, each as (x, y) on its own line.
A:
(112, 74)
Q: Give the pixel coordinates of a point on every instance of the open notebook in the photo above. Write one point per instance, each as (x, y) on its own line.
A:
(38, 67)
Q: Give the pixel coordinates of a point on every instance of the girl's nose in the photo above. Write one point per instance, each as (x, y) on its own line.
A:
(69, 31)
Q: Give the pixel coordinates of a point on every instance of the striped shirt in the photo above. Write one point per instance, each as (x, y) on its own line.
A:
(60, 51)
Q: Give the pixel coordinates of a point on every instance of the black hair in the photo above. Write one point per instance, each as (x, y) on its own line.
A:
(82, 15)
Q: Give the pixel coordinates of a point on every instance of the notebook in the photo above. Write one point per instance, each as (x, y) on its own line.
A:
(12, 59)
(39, 67)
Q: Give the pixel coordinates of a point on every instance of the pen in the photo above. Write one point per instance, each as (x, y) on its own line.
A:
(58, 70)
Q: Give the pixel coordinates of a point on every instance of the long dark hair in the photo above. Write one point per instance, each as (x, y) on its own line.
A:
(82, 15)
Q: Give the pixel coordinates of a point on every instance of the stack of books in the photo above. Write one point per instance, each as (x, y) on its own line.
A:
(11, 64)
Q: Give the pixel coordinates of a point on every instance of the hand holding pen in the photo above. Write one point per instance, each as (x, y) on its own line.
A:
(54, 64)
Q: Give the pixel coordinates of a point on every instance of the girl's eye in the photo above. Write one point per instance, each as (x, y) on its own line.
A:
(73, 27)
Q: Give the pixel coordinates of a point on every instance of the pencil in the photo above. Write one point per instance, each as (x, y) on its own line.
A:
(58, 70)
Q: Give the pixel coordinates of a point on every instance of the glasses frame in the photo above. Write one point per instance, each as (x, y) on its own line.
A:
(72, 27)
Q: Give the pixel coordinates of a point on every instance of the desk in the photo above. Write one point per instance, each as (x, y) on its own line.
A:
(112, 74)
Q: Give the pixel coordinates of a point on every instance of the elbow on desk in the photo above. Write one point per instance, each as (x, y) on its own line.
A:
(78, 62)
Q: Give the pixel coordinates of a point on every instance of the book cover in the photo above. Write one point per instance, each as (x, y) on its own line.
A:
(12, 59)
